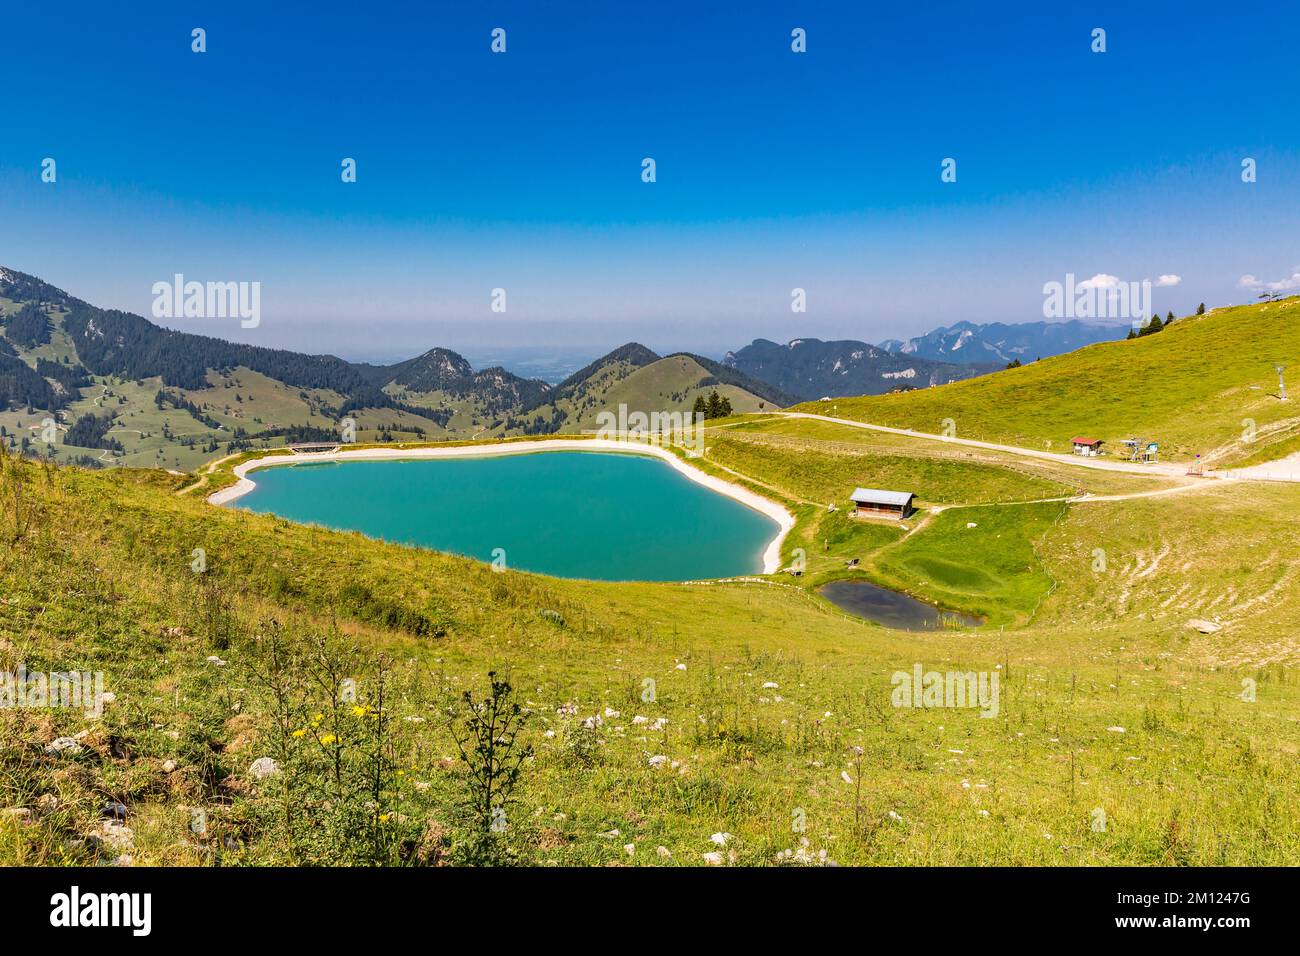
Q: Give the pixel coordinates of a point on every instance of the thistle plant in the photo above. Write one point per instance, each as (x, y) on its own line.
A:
(487, 738)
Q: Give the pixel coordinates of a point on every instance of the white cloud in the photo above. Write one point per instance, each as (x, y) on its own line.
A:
(1282, 285)
(1168, 280)
(1100, 281)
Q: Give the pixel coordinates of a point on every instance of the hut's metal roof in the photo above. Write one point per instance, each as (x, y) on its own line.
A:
(875, 496)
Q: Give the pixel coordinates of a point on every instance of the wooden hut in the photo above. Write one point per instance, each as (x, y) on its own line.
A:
(878, 503)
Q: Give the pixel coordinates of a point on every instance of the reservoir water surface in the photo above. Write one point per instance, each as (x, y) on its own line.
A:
(603, 516)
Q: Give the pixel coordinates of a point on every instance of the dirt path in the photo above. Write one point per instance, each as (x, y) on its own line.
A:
(207, 472)
(1284, 469)
(1155, 469)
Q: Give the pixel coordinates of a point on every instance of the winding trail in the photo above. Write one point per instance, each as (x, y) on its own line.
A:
(1154, 469)
(207, 473)
(1285, 469)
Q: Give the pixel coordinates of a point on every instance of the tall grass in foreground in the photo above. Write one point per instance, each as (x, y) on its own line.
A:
(259, 719)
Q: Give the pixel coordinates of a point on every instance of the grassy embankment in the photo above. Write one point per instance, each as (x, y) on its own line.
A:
(99, 576)
(102, 579)
(1205, 385)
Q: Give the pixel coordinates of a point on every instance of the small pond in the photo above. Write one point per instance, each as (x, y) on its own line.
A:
(891, 608)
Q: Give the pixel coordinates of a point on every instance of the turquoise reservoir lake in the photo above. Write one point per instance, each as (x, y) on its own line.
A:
(610, 517)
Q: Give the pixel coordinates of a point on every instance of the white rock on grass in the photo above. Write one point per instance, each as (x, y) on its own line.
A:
(63, 745)
(663, 851)
(714, 859)
(119, 836)
(264, 767)
(720, 838)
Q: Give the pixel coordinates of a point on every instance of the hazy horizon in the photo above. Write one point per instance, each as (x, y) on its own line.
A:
(478, 171)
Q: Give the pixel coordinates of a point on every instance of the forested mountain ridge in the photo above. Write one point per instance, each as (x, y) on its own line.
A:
(140, 394)
(811, 368)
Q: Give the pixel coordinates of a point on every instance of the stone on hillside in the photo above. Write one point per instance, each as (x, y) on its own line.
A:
(1205, 627)
(264, 767)
(63, 745)
(118, 836)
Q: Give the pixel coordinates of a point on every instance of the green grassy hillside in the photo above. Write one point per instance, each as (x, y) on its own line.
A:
(1205, 384)
(640, 382)
(1143, 636)
(761, 694)
(171, 401)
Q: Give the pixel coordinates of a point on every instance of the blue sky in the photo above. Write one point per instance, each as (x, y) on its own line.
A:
(522, 170)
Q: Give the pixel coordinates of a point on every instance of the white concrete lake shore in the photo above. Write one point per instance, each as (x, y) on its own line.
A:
(756, 502)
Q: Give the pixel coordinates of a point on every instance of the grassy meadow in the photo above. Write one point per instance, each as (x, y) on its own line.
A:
(1204, 385)
(714, 723)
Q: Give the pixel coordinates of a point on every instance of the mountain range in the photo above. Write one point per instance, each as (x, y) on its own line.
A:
(132, 392)
(136, 393)
(1000, 343)
(811, 368)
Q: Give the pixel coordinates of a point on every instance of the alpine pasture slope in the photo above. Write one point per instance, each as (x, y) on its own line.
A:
(1144, 648)
(1203, 385)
